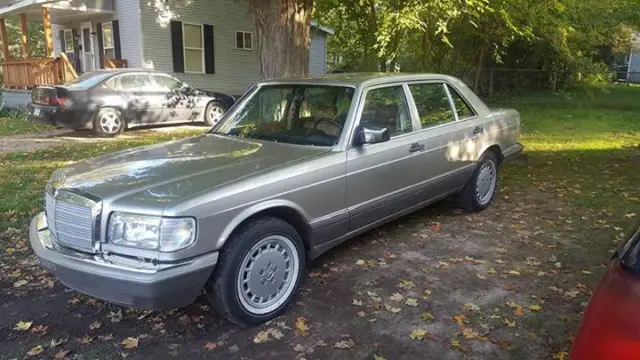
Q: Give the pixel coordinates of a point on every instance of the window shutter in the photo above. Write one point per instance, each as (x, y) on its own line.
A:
(116, 39)
(209, 58)
(100, 45)
(62, 44)
(177, 46)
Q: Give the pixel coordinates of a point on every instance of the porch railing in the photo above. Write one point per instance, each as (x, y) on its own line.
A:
(25, 74)
(110, 63)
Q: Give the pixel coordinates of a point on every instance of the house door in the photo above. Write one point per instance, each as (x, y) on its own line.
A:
(86, 53)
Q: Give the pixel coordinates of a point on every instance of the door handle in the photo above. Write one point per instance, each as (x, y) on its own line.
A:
(478, 130)
(415, 147)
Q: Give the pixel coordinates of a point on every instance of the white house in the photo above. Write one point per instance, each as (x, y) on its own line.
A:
(208, 43)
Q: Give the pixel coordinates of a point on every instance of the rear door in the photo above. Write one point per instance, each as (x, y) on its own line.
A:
(382, 178)
(144, 102)
(441, 135)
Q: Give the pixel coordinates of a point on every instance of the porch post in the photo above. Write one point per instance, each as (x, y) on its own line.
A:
(48, 33)
(5, 41)
(25, 36)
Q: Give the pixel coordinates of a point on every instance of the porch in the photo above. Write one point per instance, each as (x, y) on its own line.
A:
(83, 43)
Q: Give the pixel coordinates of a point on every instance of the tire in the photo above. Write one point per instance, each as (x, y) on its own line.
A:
(214, 112)
(475, 196)
(258, 252)
(109, 122)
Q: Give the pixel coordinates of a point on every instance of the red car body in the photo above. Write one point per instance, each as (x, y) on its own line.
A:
(610, 328)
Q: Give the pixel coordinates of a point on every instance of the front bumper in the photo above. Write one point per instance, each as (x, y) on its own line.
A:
(167, 287)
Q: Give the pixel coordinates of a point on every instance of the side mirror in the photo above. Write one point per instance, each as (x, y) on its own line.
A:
(185, 89)
(370, 135)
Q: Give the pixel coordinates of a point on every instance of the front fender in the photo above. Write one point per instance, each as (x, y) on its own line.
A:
(254, 210)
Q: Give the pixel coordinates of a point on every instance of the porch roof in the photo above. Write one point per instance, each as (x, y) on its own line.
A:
(61, 10)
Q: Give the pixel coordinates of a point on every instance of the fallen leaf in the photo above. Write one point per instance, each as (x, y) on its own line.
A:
(36, 350)
(459, 319)
(442, 264)
(436, 227)
(130, 343)
(501, 250)
(562, 355)
(105, 337)
(302, 328)
(558, 265)
(86, 340)
(481, 276)
(630, 215)
(378, 357)
(392, 309)
(407, 284)
(299, 348)
(572, 293)
(362, 314)
(40, 329)
(357, 302)
(470, 307)
(426, 316)
(514, 272)
(491, 271)
(20, 283)
(455, 344)
(95, 325)
(471, 334)
(61, 355)
(360, 262)
(115, 317)
(344, 344)
(396, 297)
(586, 272)
(210, 346)
(23, 325)
(57, 342)
(411, 302)
(266, 335)
(519, 311)
(509, 323)
(418, 334)
(535, 307)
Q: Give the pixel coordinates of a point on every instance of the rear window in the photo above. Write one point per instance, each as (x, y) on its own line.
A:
(88, 80)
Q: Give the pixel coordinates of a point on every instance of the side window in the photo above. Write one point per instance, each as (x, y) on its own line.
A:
(387, 108)
(131, 82)
(462, 107)
(432, 104)
(167, 83)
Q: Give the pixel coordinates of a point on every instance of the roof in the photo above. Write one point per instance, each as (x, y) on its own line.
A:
(323, 28)
(356, 79)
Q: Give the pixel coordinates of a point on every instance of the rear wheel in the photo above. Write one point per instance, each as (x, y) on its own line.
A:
(481, 190)
(214, 112)
(109, 122)
(258, 272)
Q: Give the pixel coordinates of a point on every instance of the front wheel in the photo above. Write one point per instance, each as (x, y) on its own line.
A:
(109, 122)
(481, 190)
(258, 272)
(214, 112)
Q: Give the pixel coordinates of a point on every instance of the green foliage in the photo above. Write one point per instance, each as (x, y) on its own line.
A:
(16, 121)
(564, 38)
(36, 38)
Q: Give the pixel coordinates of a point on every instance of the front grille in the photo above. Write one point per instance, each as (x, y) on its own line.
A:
(71, 223)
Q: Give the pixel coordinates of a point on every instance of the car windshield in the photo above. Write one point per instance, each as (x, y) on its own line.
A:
(295, 114)
(88, 80)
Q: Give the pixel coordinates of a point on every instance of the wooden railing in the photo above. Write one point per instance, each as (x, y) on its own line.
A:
(110, 63)
(25, 74)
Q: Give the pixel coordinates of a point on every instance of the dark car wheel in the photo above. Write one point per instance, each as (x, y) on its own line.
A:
(258, 272)
(109, 122)
(481, 190)
(214, 112)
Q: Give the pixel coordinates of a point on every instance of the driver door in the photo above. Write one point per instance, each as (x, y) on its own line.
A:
(175, 106)
(384, 178)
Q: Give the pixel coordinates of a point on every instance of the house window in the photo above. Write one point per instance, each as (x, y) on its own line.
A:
(244, 40)
(68, 41)
(107, 40)
(193, 48)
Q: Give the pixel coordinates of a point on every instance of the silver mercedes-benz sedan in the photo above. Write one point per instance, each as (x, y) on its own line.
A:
(293, 169)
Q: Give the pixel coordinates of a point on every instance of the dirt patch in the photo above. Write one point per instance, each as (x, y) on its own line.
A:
(47, 139)
(507, 283)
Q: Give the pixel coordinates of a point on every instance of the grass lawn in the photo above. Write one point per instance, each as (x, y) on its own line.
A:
(507, 283)
(13, 122)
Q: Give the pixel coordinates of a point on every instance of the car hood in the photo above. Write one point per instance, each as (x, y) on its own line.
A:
(176, 170)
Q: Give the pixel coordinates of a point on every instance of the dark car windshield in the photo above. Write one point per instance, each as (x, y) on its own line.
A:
(89, 80)
(293, 113)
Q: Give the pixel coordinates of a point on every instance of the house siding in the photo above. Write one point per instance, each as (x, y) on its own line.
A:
(235, 69)
(318, 52)
(131, 37)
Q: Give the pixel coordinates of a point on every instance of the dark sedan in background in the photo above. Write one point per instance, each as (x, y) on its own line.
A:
(108, 102)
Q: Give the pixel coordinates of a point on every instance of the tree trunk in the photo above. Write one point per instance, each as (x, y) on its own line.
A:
(283, 36)
(476, 81)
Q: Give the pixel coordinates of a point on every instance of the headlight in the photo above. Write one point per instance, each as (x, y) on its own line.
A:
(151, 232)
